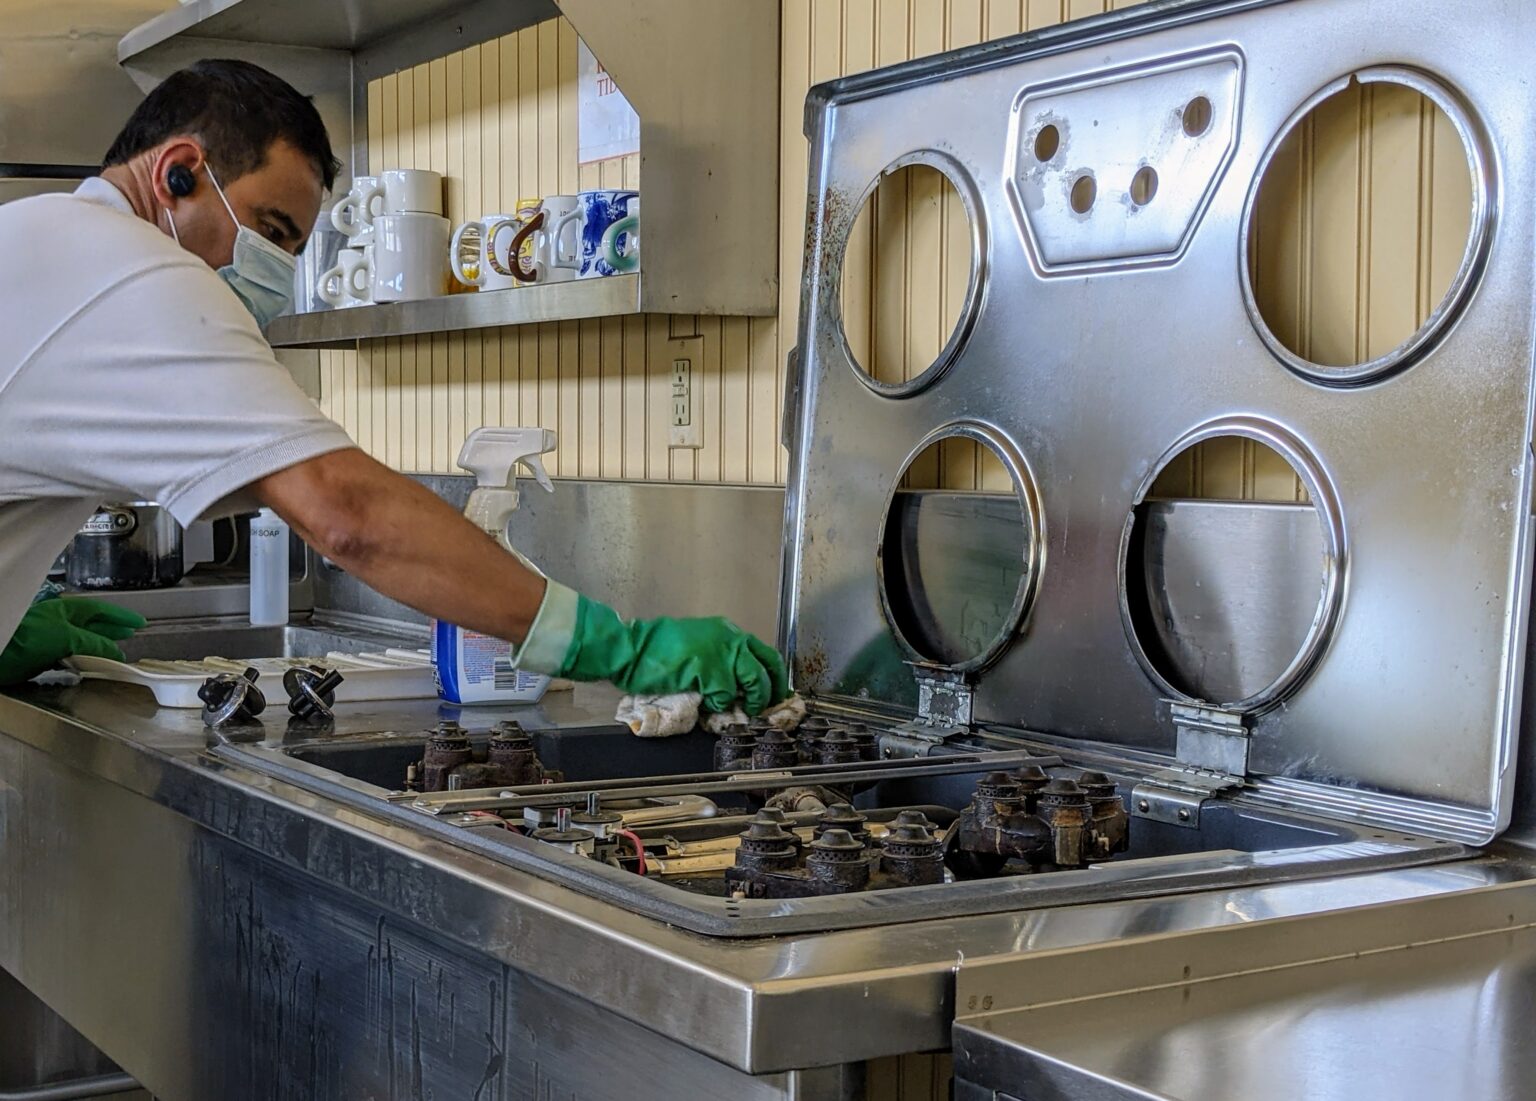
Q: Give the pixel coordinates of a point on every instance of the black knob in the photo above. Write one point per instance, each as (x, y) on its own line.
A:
(311, 691)
(231, 697)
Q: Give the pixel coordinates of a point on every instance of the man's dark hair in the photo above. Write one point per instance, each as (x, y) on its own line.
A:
(237, 110)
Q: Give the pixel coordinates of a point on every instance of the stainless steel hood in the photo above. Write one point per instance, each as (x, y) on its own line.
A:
(63, 97)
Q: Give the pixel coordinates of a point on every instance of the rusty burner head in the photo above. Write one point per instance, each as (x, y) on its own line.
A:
(775, 749)
(512, 755)
(1031, 778)
(766, 846)
(842, 816)
(837, 747)
(733, 749)
(863, 737)
(838, 862)
(909, 852)
(447, 748)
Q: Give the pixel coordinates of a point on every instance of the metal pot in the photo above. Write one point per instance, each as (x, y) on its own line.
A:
(132, 546)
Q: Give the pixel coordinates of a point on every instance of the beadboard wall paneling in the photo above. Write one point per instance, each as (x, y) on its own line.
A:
(1358, 234)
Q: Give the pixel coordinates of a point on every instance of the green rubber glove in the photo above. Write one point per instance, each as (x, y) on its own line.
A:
(58, 628)
(584, 640)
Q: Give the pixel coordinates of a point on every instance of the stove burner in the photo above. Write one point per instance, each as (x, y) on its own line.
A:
(775, 749)
(1111, 825)
(1043, 823)
(1031, 778)
(772, 862)
(511, 751)
(864, 738)
(451, 763)
(910, 854)
(766, 846)
(733, 752)
(838, 747)
(838, 862)
(1065, 809)
(841, 816)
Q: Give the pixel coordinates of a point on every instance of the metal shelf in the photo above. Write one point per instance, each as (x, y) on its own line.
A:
(384, 35)
(703, 75)
(612, 296)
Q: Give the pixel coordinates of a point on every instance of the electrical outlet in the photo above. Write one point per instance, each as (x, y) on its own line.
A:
(686, 431)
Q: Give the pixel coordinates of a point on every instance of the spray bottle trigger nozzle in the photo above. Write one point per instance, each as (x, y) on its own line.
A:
(493, 455)
(534, 464)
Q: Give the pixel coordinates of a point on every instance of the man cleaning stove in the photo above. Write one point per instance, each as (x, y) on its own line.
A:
(132, 367)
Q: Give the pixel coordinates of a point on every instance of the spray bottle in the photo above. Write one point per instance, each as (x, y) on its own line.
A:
(471, 667)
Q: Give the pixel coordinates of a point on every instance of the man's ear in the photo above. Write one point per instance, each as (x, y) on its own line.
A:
(174, 169)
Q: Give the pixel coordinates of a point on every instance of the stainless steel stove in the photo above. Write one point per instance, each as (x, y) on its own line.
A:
(760, 832)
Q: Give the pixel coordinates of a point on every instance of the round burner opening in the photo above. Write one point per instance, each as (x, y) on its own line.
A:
(959, 551)
(1383, 173)
(912, 266)
(1231, 566)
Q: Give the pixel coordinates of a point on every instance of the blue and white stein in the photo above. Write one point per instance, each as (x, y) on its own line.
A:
(595, 212)
(621, 244)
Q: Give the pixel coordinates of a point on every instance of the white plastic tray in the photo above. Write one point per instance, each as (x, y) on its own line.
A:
(391, 675)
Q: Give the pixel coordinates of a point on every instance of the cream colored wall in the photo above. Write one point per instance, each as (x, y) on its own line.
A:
(500, 121)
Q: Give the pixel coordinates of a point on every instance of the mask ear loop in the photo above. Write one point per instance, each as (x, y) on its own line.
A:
(172, 221)
(216, 186)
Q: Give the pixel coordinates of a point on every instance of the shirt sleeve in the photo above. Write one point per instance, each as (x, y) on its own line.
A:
(163, 389)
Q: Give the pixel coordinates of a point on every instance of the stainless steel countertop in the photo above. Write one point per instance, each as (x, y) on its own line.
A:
(759, 1005)
(1445, 1015)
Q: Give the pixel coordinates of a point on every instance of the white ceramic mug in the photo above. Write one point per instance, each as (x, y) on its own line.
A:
(405, 191)
(556, 235)
(408, 259)
(488, 236)
(320, 255)
(350, 214)
(345, 285)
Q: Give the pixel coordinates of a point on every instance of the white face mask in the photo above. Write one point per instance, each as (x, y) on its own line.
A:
(260, 273)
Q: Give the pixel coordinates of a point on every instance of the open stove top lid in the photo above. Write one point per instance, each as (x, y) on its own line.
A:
(1381, 682)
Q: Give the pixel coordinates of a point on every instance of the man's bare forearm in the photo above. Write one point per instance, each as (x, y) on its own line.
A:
(404, 541)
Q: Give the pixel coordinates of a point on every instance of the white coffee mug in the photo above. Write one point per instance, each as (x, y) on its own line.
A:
(470, 263)
(320, 255)
(346, 285)
(350, 214)
(405, 191)
(408, 259)
(556, 237)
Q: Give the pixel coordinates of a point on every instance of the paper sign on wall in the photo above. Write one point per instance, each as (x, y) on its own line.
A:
(606, 124)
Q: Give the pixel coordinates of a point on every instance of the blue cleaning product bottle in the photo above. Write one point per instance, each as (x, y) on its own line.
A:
(471, 667)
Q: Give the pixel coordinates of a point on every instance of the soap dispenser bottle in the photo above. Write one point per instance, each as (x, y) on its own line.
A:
(471, 667)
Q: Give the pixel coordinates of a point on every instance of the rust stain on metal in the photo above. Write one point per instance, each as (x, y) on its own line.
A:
(811, 665)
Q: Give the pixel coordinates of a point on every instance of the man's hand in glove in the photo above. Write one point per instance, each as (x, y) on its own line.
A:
(58, 628)
(581, 639)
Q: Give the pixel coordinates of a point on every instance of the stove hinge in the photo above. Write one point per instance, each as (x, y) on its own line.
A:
(1212, 750)
(944, 709)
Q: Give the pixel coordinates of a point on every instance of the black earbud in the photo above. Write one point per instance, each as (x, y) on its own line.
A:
(179, 180)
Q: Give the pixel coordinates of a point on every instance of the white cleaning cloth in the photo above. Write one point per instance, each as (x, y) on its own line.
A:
(660, 716)
(665, 716)
(786, 716)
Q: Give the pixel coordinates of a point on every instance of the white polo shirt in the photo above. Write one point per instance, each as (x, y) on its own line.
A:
(128, 372)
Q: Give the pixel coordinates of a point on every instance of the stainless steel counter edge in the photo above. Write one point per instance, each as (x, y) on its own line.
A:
(759, 1005)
